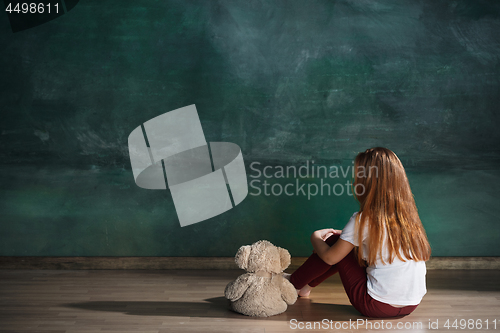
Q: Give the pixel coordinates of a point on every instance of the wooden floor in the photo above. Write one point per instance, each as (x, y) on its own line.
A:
(193, 301)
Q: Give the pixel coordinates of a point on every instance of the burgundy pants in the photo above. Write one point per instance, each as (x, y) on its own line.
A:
(353, 276)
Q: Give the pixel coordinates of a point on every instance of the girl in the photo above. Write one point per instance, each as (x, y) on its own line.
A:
(382, 268)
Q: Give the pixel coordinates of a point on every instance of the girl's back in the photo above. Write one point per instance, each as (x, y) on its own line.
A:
(394, 243)
(382, 268)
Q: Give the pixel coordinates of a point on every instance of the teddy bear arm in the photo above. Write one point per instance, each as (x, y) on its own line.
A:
(234, 290)
(288, 292)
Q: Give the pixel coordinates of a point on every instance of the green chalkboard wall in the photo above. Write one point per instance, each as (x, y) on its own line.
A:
(290, 82)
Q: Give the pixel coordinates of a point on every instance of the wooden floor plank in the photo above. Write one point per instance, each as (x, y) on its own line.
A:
(192, 301)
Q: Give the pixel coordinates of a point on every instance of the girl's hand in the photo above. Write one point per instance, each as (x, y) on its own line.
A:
(323, 234)
(327, 234)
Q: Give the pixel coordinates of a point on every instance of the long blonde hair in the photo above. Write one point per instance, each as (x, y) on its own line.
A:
(387, 206)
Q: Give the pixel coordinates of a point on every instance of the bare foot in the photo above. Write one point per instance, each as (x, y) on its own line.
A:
(305, 291)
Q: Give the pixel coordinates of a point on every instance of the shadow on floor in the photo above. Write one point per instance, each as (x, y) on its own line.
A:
(219, 307)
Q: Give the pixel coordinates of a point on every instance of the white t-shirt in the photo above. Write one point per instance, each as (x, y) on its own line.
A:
(398, 283)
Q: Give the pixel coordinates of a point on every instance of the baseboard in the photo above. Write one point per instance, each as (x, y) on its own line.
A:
(201, 263)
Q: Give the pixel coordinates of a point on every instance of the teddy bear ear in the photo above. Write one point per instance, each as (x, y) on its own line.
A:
(285, 258)
(242, 255)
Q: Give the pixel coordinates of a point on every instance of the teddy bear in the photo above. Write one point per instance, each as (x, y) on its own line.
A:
(262, 291)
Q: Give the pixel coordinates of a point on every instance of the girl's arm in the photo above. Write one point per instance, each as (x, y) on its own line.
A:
(330, 255)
